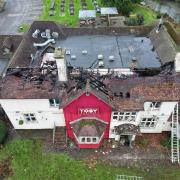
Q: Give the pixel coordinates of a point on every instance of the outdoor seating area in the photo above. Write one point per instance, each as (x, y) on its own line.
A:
(62, 7)
(84, 4)
(87, 13)
(87, 17)
(96, 6)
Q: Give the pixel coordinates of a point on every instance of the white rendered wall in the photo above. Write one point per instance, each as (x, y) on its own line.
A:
(163, 113)
(46, 116)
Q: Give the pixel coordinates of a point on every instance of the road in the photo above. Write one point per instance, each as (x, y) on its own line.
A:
(18, 12)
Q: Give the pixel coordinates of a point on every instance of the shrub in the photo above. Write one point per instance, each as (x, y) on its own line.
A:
(142, 142)
(172, 33)
(3, 131)
(131, 22)
(158, 15)
(140, 19)
(166, 142)
(21, 122)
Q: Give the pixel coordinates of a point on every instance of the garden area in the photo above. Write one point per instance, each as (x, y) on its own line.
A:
(26, 159)
(67, 11)
(62, 13)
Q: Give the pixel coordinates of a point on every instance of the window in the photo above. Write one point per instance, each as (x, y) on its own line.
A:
(148, 122)
(30, 117)
(124, 116)
(155, 105)
(83, 140)
(113, 131)
(89, 140)
(54, 102)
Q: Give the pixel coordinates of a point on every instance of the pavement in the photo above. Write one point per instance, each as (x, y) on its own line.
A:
(18, 12)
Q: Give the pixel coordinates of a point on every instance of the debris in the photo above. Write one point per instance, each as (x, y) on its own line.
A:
(45, 43)
(35, 33)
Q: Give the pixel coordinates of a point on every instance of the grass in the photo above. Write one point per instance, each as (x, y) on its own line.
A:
(24, 28)
(29, 162)
(65, 19)
(149, 15)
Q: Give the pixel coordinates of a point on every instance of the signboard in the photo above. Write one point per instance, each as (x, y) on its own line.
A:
(88, 111)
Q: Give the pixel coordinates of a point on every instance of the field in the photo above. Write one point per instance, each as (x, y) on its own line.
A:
(25, 159)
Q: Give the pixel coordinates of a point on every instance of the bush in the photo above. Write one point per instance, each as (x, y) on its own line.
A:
(21, 122)
(142, 142)
(140, 19)
(3, 131)
(172, 33)
(166, 142)
(158, 15)
(131, 22)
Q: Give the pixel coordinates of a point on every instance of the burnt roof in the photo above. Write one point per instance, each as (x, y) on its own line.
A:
(9, 41)
(22, 58)
(123, 94)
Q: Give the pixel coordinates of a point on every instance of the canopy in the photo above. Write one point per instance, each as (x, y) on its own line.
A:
(84, 14)
(109, 10)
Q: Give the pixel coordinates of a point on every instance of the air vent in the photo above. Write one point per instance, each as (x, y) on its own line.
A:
(73, 57)
(100, 56)
(111, 58)
(101, 64)
(68, 52)
(84, 52)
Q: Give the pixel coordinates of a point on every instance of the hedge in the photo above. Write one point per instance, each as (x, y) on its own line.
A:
(3, 132)
(172, 33)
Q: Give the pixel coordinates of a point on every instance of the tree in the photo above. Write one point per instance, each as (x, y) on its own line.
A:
(123, 6)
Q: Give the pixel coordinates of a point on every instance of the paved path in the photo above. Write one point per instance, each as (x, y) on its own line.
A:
(18, 12)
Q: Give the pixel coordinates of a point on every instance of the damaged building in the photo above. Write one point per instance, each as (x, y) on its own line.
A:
(92, 84)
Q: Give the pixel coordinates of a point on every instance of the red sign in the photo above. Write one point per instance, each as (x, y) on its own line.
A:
(86, 111)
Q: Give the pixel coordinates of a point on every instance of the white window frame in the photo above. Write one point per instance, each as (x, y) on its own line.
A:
(155, 105)
(124, 116)
(86, 138)
(148, 122)
(113, 130)
(55, 103)
(29, 117)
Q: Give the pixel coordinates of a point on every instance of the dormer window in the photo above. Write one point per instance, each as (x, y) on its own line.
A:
(54, 102)
(155, 105)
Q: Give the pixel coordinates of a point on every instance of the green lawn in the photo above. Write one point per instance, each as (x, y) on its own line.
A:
(24, 28)
(66, 18)
(149, 15)
(30, 163)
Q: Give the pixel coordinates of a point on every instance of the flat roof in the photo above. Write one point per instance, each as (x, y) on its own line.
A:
(83, 14)
(123, 48)
(109, 10)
